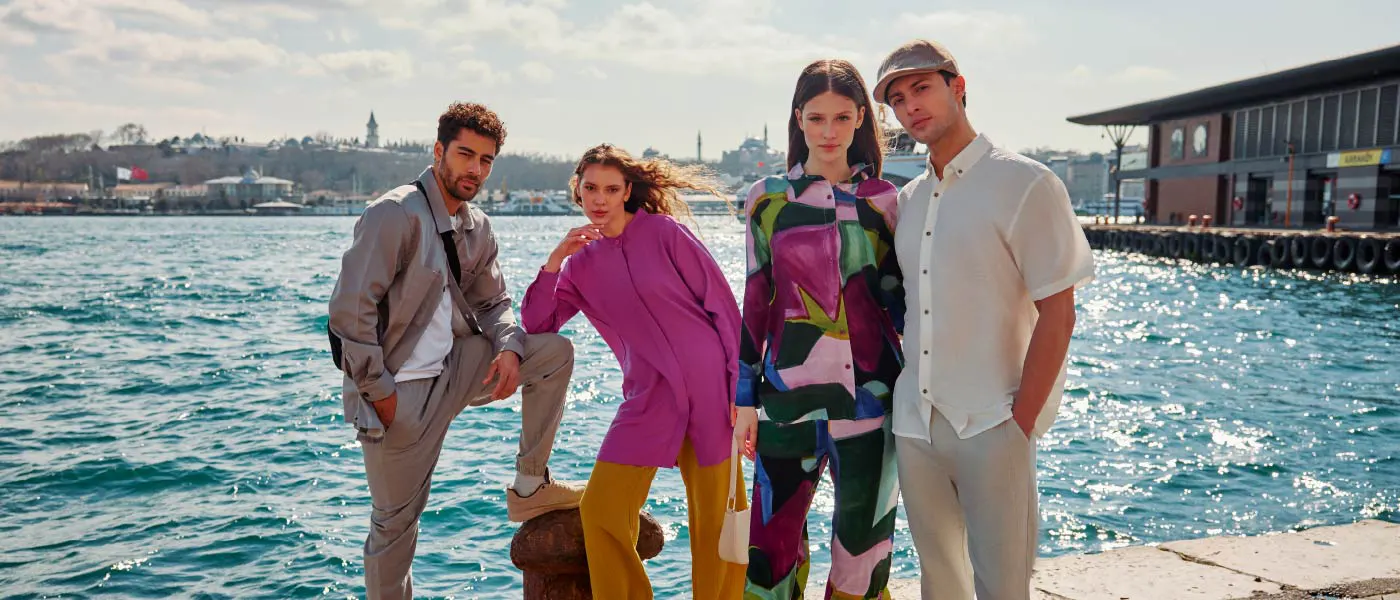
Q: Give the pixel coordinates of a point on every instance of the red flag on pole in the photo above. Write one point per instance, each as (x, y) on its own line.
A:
(139, 174)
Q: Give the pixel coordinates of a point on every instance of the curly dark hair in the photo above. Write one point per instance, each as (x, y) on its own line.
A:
(471, 116)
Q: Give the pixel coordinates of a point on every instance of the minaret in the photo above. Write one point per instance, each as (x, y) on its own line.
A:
(765, 134)
(699, 157)
(372, 135)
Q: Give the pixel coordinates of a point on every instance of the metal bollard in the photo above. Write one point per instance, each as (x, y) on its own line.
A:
(549, 550)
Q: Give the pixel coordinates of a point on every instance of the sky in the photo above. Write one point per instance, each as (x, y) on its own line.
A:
(567, 74)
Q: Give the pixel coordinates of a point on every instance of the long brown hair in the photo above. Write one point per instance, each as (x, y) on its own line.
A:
(655, 181)
(841, 77)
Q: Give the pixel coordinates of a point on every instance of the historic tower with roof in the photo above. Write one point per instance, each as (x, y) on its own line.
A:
(372, 133)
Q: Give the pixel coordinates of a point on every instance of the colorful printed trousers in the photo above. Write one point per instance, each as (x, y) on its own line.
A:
(791, 459)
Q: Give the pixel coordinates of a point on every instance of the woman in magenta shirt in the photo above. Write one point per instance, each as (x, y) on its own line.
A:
(663, 306)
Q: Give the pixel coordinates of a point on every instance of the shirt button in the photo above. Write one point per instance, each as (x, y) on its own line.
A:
(925, 271)
(935, 194)
(925, 391)
(925, 312)
(928, 233)
(848, 367)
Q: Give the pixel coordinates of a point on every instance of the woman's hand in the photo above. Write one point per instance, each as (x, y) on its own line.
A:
(745, 419)
(577, 238)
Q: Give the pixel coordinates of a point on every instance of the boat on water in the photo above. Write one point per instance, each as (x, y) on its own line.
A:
(1128, 206)
(708, 204)
(528, 203)
(903, 160)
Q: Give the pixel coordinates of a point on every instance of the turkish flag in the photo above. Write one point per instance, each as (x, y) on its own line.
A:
(139, 174)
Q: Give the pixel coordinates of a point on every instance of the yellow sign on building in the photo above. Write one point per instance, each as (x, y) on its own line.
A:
(1359, 158)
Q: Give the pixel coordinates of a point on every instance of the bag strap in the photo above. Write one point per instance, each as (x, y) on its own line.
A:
(733, 471)
(449, 242)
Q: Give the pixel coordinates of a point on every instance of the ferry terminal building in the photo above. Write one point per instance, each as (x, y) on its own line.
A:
(1287, 149)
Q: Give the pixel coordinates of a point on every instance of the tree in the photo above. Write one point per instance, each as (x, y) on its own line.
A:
(130, 133)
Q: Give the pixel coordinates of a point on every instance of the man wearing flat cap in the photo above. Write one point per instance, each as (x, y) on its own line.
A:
(992, 253)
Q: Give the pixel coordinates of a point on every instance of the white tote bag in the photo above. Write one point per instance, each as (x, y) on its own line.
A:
(734, 535)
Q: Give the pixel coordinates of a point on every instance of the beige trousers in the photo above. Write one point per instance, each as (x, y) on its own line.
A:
(400, 466)
(972, 509)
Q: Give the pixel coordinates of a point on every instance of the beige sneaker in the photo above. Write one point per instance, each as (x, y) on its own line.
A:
(553, 495)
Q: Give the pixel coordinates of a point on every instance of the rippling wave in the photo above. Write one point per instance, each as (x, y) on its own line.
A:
(171, 421)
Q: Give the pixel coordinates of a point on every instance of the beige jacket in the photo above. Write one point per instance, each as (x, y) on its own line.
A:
(391, 281)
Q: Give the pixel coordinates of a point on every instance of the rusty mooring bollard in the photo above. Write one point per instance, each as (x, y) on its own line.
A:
(548, 549)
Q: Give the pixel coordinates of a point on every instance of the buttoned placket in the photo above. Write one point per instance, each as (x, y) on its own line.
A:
(925, 281)
(836, 272)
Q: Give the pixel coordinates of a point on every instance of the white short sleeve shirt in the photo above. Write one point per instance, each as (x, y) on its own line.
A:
(978, 248)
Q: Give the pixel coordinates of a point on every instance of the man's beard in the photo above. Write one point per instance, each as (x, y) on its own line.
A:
(450, 177)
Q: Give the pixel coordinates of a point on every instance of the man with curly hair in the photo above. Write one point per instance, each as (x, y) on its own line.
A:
(424, 327)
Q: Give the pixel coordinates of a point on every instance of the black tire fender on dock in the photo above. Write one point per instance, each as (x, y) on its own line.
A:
(1224, 249)
(1368, 255)
(1176, 246)
(1159, 244)
(1243, 251)
(1321, 252)
(1344, 253)
(1191, 246)
(1264, 253)
(1298, 249)
(1279, 247)
(1392, 255)
(1207, 248)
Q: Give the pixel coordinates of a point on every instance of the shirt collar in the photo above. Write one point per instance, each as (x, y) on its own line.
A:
(439, 206)
(640, 215)
(859, 172)
(962, 163)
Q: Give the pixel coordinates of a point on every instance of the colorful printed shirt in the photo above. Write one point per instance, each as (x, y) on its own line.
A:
(823, 300)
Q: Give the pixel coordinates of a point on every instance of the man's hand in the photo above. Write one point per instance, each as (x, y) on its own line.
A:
(1024, 418)
(506, 371)
(746, 429)
(386, 408)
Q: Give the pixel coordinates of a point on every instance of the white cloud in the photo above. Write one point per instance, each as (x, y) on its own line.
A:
(76, 111)
(481, 73)
(537, 72)
(980, 28)
(362, 65)
(11, 36)
(594, 72)
(1141, 73)
(726, 37)
(97, 17)
(1081, 72)
(25, 89)
(519, 21)
(701, 37)
(56, 16)
(175, 86)
(261, 16)
(162, 11)
(29, 88)
(150, 51)
(344, 34)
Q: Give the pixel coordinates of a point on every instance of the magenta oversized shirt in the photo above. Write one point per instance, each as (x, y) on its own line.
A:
(664, 307)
